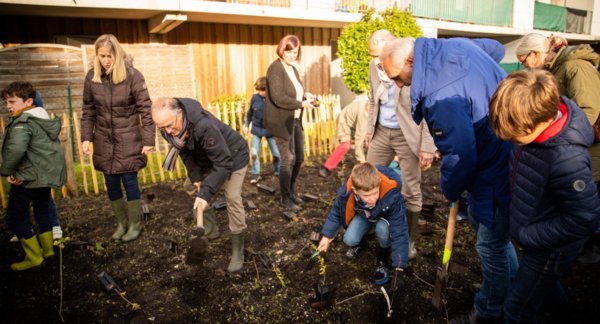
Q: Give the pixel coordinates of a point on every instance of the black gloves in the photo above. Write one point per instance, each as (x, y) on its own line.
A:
(397, 283)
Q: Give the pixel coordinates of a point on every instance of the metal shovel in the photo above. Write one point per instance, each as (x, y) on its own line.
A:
(441, 278)
(198, 245)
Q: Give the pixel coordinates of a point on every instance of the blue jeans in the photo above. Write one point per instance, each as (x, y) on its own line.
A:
(359, 226)
(256, 141)
(498, 264)
(130, 182)
(537, 282)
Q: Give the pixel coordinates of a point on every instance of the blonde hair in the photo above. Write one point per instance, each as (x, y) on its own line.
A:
(522, 101)
(534, 42)
(365, 177)
(118, 70)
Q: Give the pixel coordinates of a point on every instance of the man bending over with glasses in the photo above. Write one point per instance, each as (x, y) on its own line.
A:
(214, 155)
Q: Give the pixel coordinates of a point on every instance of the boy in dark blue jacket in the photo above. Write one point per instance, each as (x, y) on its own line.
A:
(372, 196)
(554, 203)
(255, 116)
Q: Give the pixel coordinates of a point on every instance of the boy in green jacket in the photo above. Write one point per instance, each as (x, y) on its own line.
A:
(32, 162)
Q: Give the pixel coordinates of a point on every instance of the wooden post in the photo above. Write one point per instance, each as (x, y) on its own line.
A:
(65, 141)
(159, 159)
(80, 152)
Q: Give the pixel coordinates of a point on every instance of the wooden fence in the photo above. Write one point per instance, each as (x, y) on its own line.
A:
(82, 178)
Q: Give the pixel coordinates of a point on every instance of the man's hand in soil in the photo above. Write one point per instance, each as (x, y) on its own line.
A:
(324, 244)
(397, 283)
(200, 203)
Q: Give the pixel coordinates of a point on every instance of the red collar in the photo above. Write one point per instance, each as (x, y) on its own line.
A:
(556, 126)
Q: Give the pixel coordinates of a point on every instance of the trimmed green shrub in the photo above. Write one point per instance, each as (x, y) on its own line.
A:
(353, 48)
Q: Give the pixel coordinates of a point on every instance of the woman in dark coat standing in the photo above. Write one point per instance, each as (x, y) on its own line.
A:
(283, 116)
(117, 120)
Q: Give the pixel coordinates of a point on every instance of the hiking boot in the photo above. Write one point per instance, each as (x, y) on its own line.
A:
(381, 276)
(324, 172)
(254, 179)
(57, 232)
(474, 318)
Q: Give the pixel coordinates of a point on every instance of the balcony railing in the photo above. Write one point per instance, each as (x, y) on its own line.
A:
(563, 19)
(490, 12)
(360, 6)
(270, 3)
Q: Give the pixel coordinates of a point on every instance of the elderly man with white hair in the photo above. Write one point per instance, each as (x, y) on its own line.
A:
(451, 82)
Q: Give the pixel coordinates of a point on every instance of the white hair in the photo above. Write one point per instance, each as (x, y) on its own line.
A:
(539, 43)
(398, 50)
(382, 35)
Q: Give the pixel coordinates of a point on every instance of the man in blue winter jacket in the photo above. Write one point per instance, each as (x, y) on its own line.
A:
(454, 80)
(372, 197)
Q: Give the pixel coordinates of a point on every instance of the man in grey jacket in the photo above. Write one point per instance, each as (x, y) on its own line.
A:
(391, 132)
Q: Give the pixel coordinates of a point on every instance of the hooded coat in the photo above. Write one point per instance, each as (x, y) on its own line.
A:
(31, 150)
(554, 203)
(453, 81)
(117, 119)
(389, 206)
(574, 68)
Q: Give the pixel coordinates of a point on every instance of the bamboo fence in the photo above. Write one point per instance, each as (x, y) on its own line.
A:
(82, 178)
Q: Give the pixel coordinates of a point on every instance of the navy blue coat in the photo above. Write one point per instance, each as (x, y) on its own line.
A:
(255, 115)
(554, 203)
(453, 81)
(390, 206)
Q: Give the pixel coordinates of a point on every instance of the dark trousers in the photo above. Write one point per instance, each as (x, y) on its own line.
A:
(292, 157)
(130, 182)
(537, 283)
(17, 213)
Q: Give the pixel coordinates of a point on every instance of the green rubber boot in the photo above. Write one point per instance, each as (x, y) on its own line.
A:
(237, 253)
(412, 218)
(47, 242)
(120, 211)
(211, 229)
(134, 216)
(33, 255)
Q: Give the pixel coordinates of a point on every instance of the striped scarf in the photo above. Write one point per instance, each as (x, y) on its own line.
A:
(176, 144)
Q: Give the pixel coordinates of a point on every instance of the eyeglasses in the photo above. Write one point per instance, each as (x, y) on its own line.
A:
(168, 129)
(526, 57)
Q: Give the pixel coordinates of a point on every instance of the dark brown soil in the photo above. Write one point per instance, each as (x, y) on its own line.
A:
(153, 272)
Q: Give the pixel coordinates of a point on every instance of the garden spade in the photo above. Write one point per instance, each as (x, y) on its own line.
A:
(441, 278)
(197, 251)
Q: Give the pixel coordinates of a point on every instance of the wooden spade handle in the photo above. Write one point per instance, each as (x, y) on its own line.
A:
(450, 235)
(199, 218)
